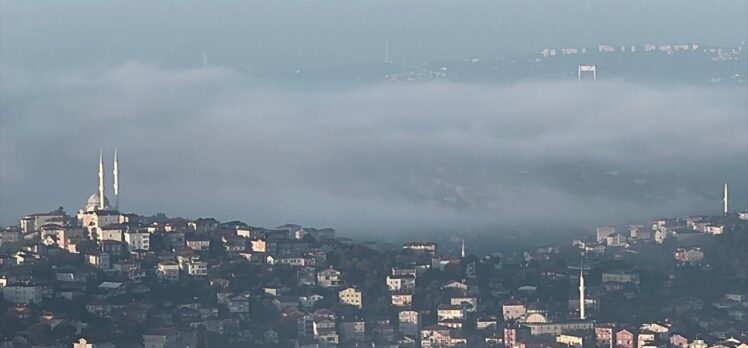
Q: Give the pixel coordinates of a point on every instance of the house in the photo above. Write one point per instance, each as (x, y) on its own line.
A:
(94, 220)
(455, 285)
(197, 268)
(570, 340)
(51, 231)
(308, 302)
(678, 340)
(692, 256)
(401, 299)
(401, 271)
(137, 240)
(167, 270)
(283, 303)
(306, 276)
(100, 260)
(174, 240)
(160, 338)
(258, 245)
(486, 323)
(714, 229)
(111, 289)
(23, 293)
(640, 233)
(421, 247)
(315, 258)
(513, 309)
(625, 339)
(539, 325)
(238, 304)
(440, 336)
(204, 225)
(234, 243)
(351, 296)
(468, 301)
(604, 335)
(616, 240)
(401, 283)
(112, 232)
(294, 261)
(382, 330)
(645, 337)
(603, 232)
(111, 247)
(620, 277)
(660, 330)
(409, 322)
(99, 307)
(82, 343)
(323, 329)
(34, 222)
(198, 243)
(352, 330)
(329, 278)
(450, 312)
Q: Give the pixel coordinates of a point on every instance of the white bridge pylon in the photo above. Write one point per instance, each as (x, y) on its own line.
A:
(587, 69)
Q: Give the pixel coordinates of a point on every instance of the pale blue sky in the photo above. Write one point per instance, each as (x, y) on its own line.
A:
(282, 33)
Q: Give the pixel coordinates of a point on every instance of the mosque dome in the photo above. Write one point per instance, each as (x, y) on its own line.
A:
(94, 202)
(536, 318)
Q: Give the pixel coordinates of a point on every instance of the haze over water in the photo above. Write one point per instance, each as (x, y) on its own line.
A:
(228, 142)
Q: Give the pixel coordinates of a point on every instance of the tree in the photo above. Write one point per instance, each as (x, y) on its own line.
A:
(63, 332)
(39, 333)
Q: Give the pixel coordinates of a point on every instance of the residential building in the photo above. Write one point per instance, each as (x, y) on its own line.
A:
(100, 260)
(352, 330)
(401, 283)
(160, 338)
(23, 293)
(167, 270)
(351, 296)
(137, 240)
(329, 278)
(409, 322)
(513, 309)
(625, 339)
(401, 299)
(198, 244)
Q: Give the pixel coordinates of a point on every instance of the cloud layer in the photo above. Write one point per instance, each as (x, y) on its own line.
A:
(390, 156)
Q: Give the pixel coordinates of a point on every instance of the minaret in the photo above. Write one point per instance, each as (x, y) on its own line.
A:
(462, 249)
(101, 181)
(115, 173)
(724, 200)
(581, 292)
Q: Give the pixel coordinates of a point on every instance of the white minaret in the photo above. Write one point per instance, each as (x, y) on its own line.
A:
(115, 173)
(462, 249)
(724, 200)
(101, 181)
(581, 292)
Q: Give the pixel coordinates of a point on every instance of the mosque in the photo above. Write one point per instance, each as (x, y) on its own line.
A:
(98, 205)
